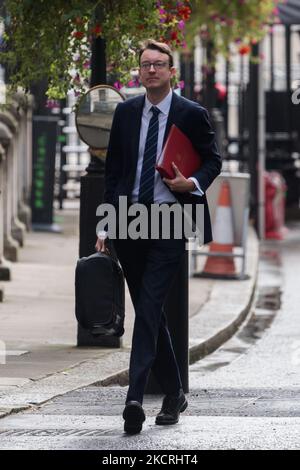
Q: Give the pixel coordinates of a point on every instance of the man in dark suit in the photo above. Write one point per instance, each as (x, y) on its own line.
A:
(140, 127)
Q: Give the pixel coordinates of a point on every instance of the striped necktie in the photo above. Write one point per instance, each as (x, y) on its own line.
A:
(146, 190)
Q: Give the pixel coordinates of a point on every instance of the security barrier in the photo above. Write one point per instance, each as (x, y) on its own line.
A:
(228, 199)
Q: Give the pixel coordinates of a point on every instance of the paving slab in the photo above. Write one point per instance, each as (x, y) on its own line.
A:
(38, 327)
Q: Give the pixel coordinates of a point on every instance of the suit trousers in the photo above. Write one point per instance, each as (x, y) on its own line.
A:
(150, 266)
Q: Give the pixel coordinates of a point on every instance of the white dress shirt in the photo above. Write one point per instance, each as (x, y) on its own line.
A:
(161, 190)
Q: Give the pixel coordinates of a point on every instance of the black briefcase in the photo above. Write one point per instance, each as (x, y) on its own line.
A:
(100, 295)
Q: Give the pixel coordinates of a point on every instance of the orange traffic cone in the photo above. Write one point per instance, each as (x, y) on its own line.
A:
(217, 265)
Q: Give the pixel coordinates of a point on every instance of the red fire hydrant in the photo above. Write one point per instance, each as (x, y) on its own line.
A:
(275, 190)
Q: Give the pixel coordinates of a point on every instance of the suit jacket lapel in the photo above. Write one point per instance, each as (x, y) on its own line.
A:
(174, 109)
(135, 125)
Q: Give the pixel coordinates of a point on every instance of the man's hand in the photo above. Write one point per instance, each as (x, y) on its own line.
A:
(101, 245)
(179, 184)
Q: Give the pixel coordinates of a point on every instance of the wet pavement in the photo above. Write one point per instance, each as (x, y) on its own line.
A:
(246, 395)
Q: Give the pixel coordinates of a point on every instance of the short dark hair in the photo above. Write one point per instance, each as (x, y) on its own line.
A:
(156, 46)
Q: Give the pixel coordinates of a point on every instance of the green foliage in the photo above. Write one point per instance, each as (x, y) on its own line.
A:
(51, 39)
(232, 26)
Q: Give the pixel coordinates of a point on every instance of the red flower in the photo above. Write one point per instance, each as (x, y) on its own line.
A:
(245, 49)
(97, 30)
(78, 34)
(174, 35)
(184, 12)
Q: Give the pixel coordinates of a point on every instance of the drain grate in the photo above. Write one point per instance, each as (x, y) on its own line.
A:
(55, 432)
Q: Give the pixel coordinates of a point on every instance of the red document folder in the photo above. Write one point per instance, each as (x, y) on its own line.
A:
(178, 149)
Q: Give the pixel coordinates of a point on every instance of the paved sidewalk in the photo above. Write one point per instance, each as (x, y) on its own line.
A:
(38, 325)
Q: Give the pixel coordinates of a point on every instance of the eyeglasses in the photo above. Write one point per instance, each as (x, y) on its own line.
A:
(159, 65)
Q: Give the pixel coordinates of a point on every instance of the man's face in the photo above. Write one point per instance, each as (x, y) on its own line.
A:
(159, 75)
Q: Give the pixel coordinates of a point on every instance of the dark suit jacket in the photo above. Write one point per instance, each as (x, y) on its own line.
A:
(122, 154)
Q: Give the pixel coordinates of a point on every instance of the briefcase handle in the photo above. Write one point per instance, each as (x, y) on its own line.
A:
(113, 255)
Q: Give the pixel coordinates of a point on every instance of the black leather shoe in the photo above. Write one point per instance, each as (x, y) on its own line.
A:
(134, 417)
(171, 408)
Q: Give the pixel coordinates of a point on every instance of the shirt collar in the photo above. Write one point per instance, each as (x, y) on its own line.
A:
(163, 106)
